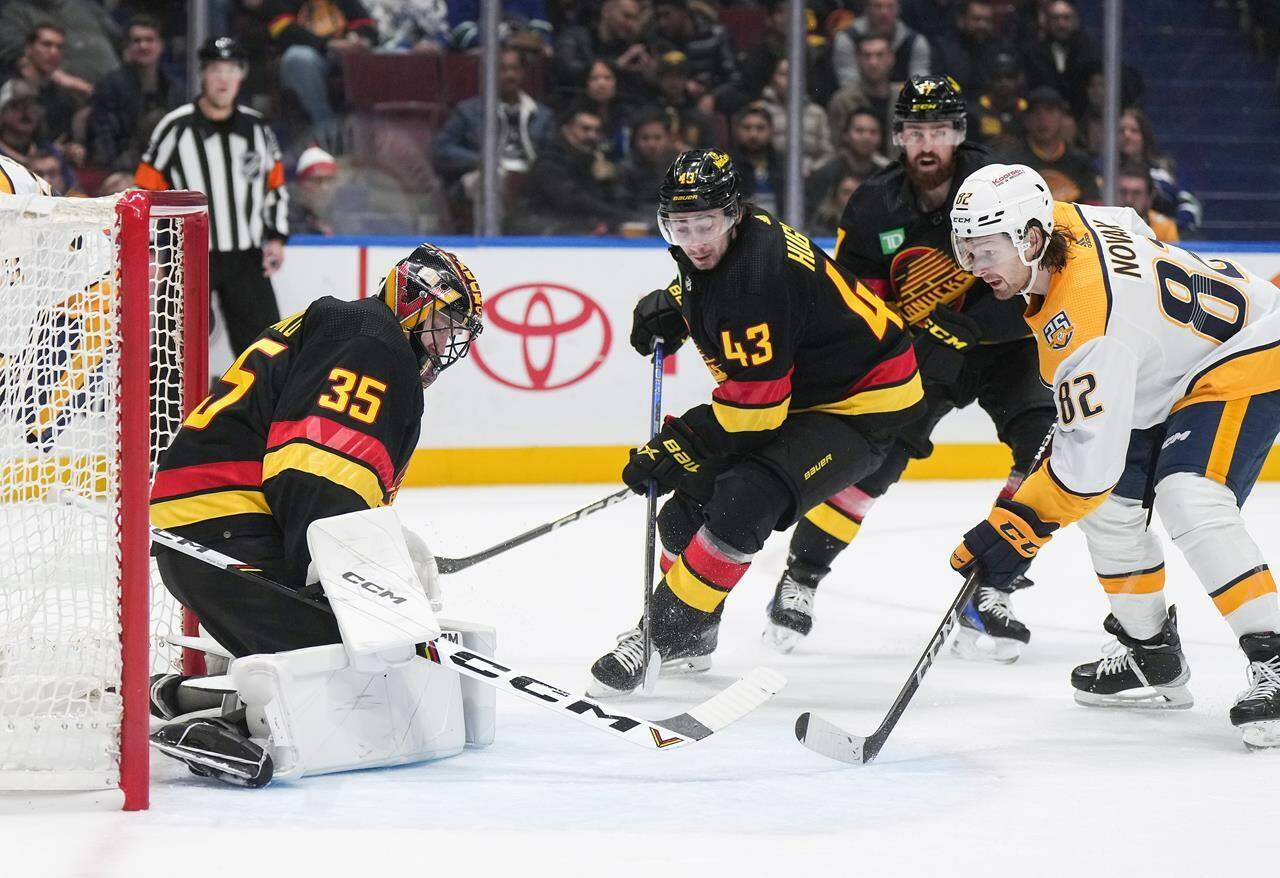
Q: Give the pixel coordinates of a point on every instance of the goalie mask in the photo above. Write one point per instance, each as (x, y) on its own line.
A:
(438, 302)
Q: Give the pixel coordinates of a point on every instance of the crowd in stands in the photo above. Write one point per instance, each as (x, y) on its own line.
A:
(376, 102)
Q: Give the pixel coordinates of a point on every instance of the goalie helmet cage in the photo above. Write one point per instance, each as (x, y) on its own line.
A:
(103, 350)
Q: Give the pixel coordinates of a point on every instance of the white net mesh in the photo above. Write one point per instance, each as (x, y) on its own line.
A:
(60, 391)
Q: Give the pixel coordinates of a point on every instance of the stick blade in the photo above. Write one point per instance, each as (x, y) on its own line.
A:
(828, 739)
(727, 706)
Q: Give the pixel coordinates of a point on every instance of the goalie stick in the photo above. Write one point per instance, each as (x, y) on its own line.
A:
(725, 707)
(453, 565)
(830, 740)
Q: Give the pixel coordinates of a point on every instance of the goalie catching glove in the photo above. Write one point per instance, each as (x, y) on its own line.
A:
(676, 459)
(1004, 545)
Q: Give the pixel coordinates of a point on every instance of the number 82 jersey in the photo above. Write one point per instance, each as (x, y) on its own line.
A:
(1129, 332)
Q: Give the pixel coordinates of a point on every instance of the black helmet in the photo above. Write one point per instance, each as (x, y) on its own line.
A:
(700, 179)
(222, 49)
(929, 99)
(438, 303)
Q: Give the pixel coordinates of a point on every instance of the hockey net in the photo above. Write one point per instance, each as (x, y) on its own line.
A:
(103, 339)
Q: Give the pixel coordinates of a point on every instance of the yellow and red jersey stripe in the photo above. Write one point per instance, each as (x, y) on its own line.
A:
(889, 386)
(744, 406)
(333, 451)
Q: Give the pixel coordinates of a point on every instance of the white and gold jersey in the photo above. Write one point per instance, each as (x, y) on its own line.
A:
(15, 179)
(1130, 331)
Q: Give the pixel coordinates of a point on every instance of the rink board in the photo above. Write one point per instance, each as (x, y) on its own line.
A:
(552, 391)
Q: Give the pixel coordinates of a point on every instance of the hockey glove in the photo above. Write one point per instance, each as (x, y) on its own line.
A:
(657, 316)
(1004, 545)
(941, 342)
(676, 459)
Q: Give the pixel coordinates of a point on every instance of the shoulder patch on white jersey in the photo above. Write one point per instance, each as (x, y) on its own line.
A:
(1058, 331)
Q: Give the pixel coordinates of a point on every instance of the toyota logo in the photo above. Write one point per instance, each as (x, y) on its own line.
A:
(558, 336)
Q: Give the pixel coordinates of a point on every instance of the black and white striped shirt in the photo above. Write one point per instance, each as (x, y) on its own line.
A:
(235, 163)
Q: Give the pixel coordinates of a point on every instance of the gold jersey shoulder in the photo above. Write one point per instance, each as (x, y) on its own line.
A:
(15, 179)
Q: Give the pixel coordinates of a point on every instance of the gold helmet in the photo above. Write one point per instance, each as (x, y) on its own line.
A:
(438, 302)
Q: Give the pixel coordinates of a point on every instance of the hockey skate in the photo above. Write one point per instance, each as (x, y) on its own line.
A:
(988, 630)
(1257, 709)
(216, 748)
(789, 616)
(1150, 674)
(684, 639)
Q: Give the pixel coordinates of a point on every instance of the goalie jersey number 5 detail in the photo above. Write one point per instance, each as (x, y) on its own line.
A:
(1131, 331)
(318, 417)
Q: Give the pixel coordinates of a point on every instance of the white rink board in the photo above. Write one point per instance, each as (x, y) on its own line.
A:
(557, 367)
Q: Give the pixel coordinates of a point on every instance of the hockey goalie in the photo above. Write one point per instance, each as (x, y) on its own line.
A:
(289, 466)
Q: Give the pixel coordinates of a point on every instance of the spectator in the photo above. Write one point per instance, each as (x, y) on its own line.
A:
(618, 37)
(858, 157)
(1138, 145)
(91, 34)
(759, 62)
(571, 187)
(52, 167)
(129, 98)
(996, 116)
(601, 97)
(935, 19)
(713, 68)
(411, 25)
(815, 140)
(1134, 189)
(62, 97)
(525, 25)
(755, 158)
(1064, 57)
(524, 128)
(874, 90)
(115, 183)
(1047, 148)
(313, 42)
(652, 151)
(825, 219)
(311, 193)
(911, 54)
(689, 127)
(964, 54)
(20, 118)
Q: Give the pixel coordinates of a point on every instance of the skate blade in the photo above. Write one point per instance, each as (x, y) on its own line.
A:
(596, 689)
(975, 646)
(695, 664)
(1146, 698)
(1261, 735)
(779, 638)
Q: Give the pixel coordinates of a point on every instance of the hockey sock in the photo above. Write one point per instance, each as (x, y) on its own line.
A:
(1137, 600)
(1129, 562)
(826, 530)
(1202, 518)
(1011, 485)
(706, 571)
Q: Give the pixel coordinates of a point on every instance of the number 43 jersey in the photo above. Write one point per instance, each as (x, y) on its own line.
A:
(318, 417)
(1131, 331)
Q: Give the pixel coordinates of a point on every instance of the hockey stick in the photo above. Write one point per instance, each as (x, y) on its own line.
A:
(651, 667)
(830, 740)
(725, 707)
(453, 565)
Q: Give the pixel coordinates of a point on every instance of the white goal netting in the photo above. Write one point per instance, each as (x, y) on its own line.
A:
(61, 392)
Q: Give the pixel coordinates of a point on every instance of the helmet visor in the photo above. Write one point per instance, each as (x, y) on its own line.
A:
(918, 135)
(984, 252)
(692, 229)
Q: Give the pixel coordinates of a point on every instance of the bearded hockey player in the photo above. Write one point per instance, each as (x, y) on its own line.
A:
(895, 237)
(1166, 372)
(813, 373)
(318, 417)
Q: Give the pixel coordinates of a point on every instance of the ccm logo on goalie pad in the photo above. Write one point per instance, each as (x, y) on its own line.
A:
(373, 587)
(485, 667)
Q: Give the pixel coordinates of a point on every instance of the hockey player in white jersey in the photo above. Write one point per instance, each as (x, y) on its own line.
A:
(15, 179)
(1166, 371)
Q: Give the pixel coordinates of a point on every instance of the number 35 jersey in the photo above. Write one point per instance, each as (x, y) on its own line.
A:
(1129, 332)
(318, 417)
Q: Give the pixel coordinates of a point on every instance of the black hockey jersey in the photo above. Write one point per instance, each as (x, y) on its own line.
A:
(904, 254)
(318, 417)
(784, 329)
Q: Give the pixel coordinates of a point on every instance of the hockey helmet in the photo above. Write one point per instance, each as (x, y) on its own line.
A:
(1000, 200)
(222, 49)
(699, 199)
(929, 99)
(438, 303)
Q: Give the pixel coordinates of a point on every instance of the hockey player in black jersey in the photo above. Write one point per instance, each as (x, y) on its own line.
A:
(814, 374)
(895, 237)
(317, 417)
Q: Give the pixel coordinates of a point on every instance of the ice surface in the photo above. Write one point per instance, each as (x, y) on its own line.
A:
(992, 770)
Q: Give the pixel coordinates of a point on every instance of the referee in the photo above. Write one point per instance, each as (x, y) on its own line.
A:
(213, 145)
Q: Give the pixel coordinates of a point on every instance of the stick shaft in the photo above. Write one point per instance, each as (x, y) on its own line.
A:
(651, 512)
